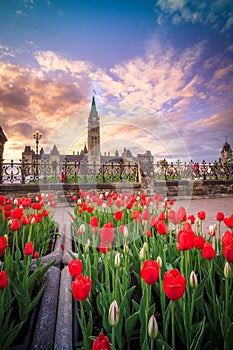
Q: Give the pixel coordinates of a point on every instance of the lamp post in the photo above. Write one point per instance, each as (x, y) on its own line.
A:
(37, 136)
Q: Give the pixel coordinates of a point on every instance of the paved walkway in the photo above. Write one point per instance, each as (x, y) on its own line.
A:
(210, 206)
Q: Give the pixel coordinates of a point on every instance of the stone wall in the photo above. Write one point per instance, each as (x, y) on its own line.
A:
(172, 189)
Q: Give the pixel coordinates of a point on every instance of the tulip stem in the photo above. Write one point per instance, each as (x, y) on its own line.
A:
(113, 338)
(212, 287)
(173, 324)
(152, 344)
(226, 300)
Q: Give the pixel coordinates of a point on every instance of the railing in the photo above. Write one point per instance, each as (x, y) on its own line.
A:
(192, 171)
(84, 172)
(73, 172)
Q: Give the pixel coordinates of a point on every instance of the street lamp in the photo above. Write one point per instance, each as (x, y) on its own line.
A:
(37, 136)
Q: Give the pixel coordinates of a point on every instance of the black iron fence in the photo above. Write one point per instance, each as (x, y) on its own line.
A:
(84, 172)
(73, 172)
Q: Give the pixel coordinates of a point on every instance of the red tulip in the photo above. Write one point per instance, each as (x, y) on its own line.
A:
(227, 237)
(198, 242)
(228, 252)
(150, 271)
(3, 245)
(94, 221)
(172, 217)
(15, 226)
(185, 239)
(75, 267)
(101, 343)
(24, 220)
(3, 279)
(174, 284)
(90, 209)
(153, 221)
(17, 213)
(162, 216)
(162, 228)
(181, 214)
(107, 233)
(219, 216)
(208, 251)
(192, 219)
(229, 221)
(201, 215)
(81, 287)
(136, 215)
(148, 233)
(118, 215)
(36, 255)
(45, 212)
(145, 214)
(28, 249)
(2, 200)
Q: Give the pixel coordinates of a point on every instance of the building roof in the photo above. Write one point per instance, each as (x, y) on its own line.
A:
(226, 147)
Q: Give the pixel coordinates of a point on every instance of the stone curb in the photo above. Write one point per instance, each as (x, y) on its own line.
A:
(63, 335)
(45, 327)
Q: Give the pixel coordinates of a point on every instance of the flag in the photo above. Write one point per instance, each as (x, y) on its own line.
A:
(94, 91)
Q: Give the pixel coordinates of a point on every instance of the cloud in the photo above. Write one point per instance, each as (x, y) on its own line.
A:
(5, 52)
(49, 61)
(38, 102)
(20, 13)
(214, 13)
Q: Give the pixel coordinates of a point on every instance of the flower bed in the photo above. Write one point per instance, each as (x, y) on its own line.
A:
(27, 229)
(184, 275)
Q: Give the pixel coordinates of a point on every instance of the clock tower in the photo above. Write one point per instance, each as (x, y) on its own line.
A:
(93, 140)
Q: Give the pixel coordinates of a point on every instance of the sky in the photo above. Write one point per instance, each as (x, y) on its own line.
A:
(161, 73)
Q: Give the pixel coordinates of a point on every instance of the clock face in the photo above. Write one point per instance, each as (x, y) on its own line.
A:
(93, 119)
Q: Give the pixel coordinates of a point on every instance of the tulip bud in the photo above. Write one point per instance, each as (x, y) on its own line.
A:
(104, 206)
(10, 222)
(82, 228)
(113, 314)
(152, 327)
(101, 196)
(145, 246)
(142, 254)
(198, 221)
(16, 202)
(126, 248)
(159, 261)
(193, 280)
(212, 230)
(33, 220)
(227, 270)
(86, 248)
(125, 232)
(117, 261)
